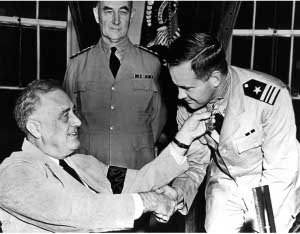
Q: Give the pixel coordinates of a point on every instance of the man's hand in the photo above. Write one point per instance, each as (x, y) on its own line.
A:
(172, 193)
(193, 127)
(159, 204)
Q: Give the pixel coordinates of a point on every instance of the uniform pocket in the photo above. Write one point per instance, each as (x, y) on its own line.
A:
(85, 86)
(89, 96)
(143, 91)
(254, 140)
(146, 85)
(143, 141)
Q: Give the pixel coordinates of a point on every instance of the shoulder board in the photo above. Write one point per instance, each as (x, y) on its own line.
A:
(261, 91)
(82, 51)
(146, 49)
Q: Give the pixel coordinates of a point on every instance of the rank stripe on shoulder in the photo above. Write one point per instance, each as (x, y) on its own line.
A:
(82, 51)
(276, 97)
(261, 91)
(270, 94)
(146, 49)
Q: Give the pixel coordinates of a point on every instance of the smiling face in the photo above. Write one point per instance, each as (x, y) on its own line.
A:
(194, 91)
(114, 18)
(58, 124)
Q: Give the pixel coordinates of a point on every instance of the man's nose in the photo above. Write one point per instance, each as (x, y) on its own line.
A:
(116, 19)
(76, 121)
(181, 94)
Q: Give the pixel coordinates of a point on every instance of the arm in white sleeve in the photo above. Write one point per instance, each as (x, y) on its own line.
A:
(138, 205)
(281, 156)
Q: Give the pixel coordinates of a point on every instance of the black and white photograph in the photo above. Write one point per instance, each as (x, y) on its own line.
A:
(150, 116)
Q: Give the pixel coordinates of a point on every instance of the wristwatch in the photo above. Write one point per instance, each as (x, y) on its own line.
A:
(180, 144)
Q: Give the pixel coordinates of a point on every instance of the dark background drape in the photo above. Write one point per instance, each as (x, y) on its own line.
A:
(87, 30)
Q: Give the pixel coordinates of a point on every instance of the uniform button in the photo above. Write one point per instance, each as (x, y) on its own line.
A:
(112, 107)
(113, 88)
(145, 88)
(111, 128)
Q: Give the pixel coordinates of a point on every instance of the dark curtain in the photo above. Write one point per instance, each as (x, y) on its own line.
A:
(215, 17)
(224, 20)
(87, 30)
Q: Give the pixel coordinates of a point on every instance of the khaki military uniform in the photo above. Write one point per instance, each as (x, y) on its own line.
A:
(122, 117)
(257, 145)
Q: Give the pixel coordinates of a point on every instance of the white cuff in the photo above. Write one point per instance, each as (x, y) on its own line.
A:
(138, 205)
(178, 158)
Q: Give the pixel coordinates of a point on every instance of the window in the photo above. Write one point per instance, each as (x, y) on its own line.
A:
(33, 42)
(266, 38)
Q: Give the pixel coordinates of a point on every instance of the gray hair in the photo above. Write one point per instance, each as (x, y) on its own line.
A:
(29, 100)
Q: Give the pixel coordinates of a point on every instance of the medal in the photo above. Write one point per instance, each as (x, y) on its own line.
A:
(210, 123)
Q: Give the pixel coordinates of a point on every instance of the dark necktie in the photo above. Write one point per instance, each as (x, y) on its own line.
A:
(114, 62)
(219, 122)
(214, 151)
(116, 177)
(69, 170)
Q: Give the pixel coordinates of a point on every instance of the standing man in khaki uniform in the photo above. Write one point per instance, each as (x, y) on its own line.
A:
(115, 86)
(255, 146)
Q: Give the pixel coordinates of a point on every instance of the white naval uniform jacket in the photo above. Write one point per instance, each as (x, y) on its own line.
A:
(257, 143)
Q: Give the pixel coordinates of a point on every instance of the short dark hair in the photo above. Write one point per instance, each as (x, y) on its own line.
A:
(29, 99)
(205, 51)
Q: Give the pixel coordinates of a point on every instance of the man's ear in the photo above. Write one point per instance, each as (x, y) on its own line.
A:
(34, 128)
(216, 78)
(96, 14)
(132, 14)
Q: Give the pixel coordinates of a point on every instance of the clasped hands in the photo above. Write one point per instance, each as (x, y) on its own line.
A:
(172, 201)
(193, 127)
(164, 201)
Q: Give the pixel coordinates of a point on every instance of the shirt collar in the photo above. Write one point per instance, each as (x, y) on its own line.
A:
(225, 88)
(222, 100)
(29, 147)
(121, 46)
(55, 160)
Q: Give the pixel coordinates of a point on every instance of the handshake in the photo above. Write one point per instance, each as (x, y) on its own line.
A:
(163, 202)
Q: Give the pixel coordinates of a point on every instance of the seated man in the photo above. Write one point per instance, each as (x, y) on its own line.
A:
(39, 195)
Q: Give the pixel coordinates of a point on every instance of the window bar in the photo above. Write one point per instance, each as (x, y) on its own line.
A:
(69, 35)
(253, 35)
(20, 84)
(32, 23)
(292, 46)
(37, 42)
